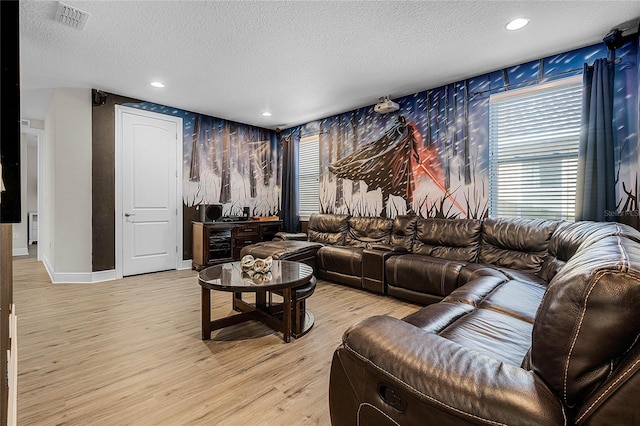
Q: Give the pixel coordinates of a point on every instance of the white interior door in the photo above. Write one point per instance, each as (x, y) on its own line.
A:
(149, 210)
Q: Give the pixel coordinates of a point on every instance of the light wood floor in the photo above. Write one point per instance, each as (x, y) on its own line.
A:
(129, 352)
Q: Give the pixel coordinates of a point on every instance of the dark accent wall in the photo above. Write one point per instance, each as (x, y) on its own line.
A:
(103, 181)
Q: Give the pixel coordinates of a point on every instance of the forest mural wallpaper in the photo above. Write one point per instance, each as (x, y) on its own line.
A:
(432, 156)
(228, 163)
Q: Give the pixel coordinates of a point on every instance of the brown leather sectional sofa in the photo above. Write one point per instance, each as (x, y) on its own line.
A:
(537, 322)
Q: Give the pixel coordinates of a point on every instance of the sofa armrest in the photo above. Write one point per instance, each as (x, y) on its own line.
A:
(432, 380)
(284, 236)
(373, 266)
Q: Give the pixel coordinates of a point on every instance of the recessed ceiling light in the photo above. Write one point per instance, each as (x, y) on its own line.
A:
(517, 23)
(156, 84)
(266, 114)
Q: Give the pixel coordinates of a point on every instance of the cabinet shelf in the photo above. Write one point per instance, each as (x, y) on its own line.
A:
(219, 242)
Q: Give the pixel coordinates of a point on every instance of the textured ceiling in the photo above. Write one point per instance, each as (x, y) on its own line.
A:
(300, 60)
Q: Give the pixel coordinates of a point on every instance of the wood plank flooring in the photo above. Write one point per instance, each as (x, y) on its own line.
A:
(128, 352)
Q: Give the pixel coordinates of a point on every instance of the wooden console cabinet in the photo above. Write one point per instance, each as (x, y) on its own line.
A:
(219, 242)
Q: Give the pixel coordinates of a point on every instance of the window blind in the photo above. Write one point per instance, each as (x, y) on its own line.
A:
(533, 142)
(308, 173)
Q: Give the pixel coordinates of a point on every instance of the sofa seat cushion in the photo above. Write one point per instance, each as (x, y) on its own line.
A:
(424, 274)
(345, 260)
(519, 299)
(502, 337)
(504, 293)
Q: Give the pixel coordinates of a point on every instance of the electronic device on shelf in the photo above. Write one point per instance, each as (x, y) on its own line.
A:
(233, 219)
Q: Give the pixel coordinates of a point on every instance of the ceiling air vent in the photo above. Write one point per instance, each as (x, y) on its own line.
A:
(71, 17)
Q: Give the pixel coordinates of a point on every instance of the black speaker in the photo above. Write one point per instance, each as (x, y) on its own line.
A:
(210, 212)
(245, 211)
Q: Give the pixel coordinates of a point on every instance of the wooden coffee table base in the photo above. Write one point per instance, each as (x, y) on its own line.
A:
(278, 317)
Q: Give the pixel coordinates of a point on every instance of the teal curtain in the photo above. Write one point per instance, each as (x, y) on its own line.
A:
(596, 185)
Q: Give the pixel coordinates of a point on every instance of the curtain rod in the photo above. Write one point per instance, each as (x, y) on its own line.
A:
(538, 79)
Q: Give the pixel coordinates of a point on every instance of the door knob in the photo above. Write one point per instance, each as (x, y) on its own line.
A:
(129, 214)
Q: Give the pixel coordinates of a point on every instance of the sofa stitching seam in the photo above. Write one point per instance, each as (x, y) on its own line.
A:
(379, 410)
(575, 337)
(607, 390)
(623, 268)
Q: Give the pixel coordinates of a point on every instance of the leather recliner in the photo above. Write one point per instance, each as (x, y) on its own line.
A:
(544, 331)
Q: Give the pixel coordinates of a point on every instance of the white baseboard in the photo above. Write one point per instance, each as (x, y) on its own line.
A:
(77, 277)
(47, 266)
(20, 251)
(88, 277)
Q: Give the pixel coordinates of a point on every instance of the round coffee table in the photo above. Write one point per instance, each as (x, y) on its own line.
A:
(283, 278)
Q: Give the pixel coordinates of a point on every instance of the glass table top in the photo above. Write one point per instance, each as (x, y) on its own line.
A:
(231, 277)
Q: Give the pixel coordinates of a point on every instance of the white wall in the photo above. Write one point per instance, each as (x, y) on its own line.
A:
(66, 191)
(32, 178)
(46, 214)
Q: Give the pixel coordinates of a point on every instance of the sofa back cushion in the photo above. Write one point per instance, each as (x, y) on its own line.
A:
(588, 318)
(403, 231)
(516, 243)
(570, 236)
(453, 239)
(328, 228)
(365, 231)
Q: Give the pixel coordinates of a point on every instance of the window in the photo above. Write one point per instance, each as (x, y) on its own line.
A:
(533, 143)
(308, 175)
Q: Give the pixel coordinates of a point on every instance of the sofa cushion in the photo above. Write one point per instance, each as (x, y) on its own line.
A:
(516, 243)
(403, 231)
(423, 274)
(345, 260)
(502, 337)
(570, 236)
(472, 271)
(438, 316)
(519, 299)
(588, 319)
(475, 291)
(454, 239)
(365, 231)
(328, 228)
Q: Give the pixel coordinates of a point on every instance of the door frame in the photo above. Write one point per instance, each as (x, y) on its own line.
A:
(39, 134)
(120, 110)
